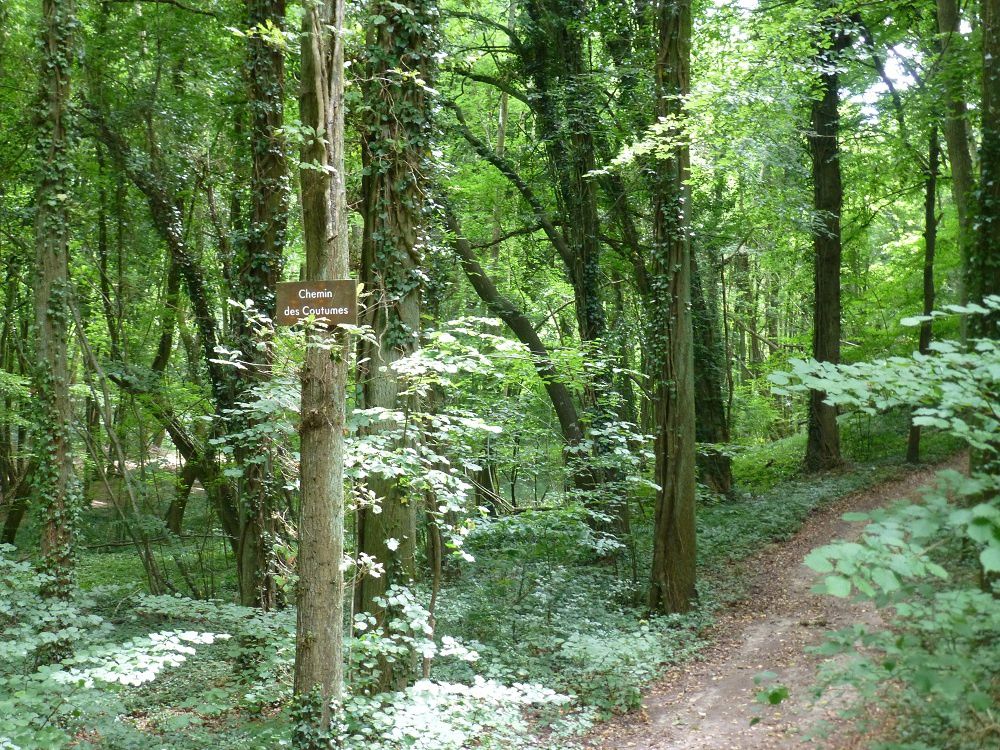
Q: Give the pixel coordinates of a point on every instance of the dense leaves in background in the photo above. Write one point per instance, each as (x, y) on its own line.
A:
(588, 233)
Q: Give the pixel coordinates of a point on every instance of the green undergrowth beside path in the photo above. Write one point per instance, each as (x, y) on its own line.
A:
(542, 634)
(776, 498)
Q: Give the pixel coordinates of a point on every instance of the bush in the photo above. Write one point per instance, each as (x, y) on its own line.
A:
(931, 566)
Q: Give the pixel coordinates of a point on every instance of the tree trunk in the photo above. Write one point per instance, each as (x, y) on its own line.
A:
(823, 446)
(395, 152)
(711, 425)
(14, 463)
(956, 134)
(672, 585)
(984, 265)
(54, 480)
(566, 104)
(930, 243)
(258, 275)
(319, 669)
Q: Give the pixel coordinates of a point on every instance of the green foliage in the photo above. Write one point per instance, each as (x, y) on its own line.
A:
(930, 565)
(536, 605)
(434, 715)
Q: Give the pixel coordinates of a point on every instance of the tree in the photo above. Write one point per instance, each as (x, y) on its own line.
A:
(319, 637)
(711, 422)
(54, 477)
(930, 247)
(520, 326)
(395, 154)
(823, 447)
(259, 271)
(984, 265)
(956, 131)
(672, 584)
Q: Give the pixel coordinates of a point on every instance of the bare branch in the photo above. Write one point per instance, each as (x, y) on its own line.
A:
(513, 233)
(508, 171)
(515, 42)
(493, 81)
(174, 3)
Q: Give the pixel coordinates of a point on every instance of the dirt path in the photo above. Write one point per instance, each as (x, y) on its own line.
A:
(708, 704)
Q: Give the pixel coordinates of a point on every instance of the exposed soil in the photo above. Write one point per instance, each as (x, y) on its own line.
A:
(709, 704)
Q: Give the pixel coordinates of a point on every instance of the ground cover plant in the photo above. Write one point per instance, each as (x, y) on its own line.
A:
(539, 621)
(402, 374)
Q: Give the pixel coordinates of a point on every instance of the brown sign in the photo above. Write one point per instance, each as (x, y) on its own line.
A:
(330, 302)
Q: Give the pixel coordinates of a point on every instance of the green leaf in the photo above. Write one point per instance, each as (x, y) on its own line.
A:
(854, 517)
(990, 559)
(818, 562)
(838, 586)
(885, 579)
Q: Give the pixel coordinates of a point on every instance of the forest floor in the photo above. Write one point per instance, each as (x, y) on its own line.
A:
(708, 704)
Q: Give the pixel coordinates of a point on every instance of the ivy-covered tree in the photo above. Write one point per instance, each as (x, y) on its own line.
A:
(984, 263)
(395, 149)
(54, 477)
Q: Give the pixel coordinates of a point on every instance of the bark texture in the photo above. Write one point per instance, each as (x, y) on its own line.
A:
(395, 154)
(318, 678)
(672, 581)
(258, 274)
(53, 477)
(823, 446)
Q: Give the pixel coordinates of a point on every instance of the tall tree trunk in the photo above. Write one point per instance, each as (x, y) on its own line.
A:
(984, 265)
(54, 480)
(258, 274)
(672, 584)
(823, 446)
(566, 105)
(319, 669)
(395, 153)
(930, 243)
(711, 425)
(957, 134)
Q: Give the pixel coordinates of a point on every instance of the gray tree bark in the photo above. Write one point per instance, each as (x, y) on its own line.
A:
(318, 678)
(672, 580)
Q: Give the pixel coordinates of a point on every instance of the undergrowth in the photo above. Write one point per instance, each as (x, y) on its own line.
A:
(544, 630)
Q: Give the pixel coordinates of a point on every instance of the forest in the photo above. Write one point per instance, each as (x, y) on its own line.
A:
(513, 374)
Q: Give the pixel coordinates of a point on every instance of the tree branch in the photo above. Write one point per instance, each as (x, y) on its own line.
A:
(503, 238)
(174, 3)
(493, 81)
(517, 321)
(507, 170)
(515, 42)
